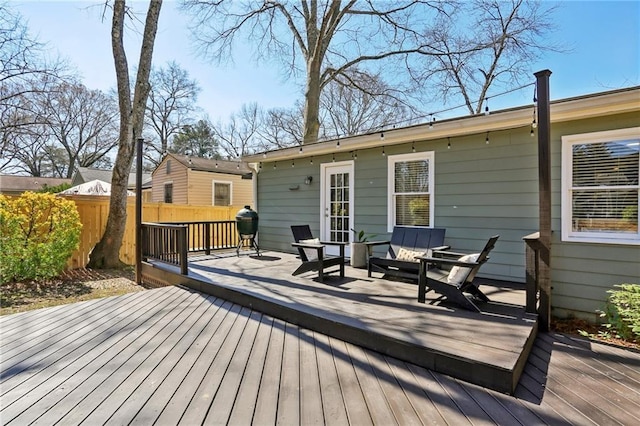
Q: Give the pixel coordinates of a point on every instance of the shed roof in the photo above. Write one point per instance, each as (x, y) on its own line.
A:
(211, 165)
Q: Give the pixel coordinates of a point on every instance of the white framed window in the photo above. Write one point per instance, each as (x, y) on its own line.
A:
(222, 193)
(410, 190)
(600, 189)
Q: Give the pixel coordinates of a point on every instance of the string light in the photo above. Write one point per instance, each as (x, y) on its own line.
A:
(487, 139)
(238, 166)
(311, 161)
(382, 135)
(486, 106)
(275, 165)
(338, 144)
(431, 120)
(333, 158)
(355, 155)
(216, 164)
(300, 150)
(384, 154)
(448, 143)
(293, 164)
(260, 166)
(413, 147)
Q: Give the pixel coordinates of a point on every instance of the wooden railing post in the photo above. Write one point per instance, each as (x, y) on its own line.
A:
(183, 248)
(207, 237)
(532, 254)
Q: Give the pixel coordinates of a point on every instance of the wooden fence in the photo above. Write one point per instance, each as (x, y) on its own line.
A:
(94, 210)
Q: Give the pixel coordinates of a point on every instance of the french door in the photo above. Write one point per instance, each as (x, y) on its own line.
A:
(337, 203)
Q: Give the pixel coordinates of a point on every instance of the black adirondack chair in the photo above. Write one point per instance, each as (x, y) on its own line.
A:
(312, 253)
(414, 242)
(451, 275)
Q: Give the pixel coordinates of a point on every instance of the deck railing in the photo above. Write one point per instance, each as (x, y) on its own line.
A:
(166, 243)
(170, 242)
(538, 295)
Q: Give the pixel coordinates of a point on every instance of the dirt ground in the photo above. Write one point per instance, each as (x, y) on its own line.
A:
(85, 284)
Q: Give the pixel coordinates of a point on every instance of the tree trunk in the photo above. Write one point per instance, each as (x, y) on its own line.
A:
(312, 102)
(106, 253)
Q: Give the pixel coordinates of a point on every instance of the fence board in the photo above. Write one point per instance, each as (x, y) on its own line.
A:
(94, 211)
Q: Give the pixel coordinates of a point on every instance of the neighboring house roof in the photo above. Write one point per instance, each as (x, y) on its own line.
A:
(17, 184)
(87, 174)
(211, 165)
(581, 107)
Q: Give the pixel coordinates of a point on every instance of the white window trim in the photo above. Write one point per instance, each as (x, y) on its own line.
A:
(568, 142)
(392, 159)
(213, 191)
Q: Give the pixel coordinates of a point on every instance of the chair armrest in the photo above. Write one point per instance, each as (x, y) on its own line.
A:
(334, 243)
(452, 262)
(308, 245)
(377, 243)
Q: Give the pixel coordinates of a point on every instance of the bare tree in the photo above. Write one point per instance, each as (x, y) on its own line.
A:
(171, 105)
(332, 37)
(83, 123)
(24, 69)
(197, 140)
(513, 32)
(132, 110)
(281, 127)
(237, 137)
(370, 105)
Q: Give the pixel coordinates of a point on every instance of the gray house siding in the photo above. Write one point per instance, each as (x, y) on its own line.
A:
(480, 190)
(582, 273)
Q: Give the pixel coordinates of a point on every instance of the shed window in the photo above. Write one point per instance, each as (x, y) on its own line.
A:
(221, 193)
(600, 188)
(168, 192)
(410, 190)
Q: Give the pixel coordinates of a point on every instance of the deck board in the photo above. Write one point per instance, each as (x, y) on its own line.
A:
(488, 348)
(192, 357)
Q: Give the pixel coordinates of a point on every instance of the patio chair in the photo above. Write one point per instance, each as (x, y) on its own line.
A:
(312, 253)
(453, 274)
(406, 243)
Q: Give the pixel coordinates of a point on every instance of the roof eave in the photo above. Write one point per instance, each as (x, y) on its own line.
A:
(563, 110)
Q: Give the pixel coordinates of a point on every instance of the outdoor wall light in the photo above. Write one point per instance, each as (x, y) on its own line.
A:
(308, 180)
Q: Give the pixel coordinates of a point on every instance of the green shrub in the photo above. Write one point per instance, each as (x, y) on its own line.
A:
(38, 233)
(622, 312)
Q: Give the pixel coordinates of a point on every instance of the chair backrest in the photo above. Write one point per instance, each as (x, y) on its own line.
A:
(483, 257)
(415, 239)
(301, 232)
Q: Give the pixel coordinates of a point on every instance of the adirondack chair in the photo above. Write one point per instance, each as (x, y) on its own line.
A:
(405, 244)
(452, 275)
(312, 252)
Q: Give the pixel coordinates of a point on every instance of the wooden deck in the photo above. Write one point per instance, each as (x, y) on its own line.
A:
(176, 356)
(489, 349)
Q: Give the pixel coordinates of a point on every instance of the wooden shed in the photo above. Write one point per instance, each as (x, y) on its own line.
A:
(182, 179)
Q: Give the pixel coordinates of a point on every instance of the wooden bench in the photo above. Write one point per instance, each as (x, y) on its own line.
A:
(406, 243)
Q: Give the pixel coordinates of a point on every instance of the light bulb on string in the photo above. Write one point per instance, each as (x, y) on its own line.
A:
(448, 143)
(300, 150)
(311, 161)
(413, 147)
(382, 135)
(383, 153)
(293, 164)
(487, 139)
(338, 144)
(486, 106)
(275, 165)
(333, 158)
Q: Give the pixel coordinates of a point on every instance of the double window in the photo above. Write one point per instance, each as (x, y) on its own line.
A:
(600, 188)
(411, 190)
